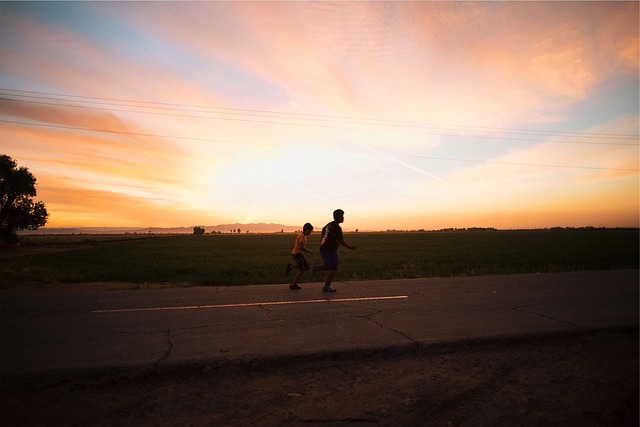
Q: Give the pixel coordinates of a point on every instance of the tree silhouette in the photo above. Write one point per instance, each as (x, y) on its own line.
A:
(17, 210)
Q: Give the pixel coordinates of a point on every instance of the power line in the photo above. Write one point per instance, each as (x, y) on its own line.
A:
(489, 137)
(283, 146)
(150, 135)
(526, 164)
(186, 108)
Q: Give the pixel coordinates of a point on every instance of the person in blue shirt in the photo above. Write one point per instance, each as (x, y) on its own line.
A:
(331, 239)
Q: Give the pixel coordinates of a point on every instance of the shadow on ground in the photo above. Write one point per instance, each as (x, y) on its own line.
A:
(570, 379)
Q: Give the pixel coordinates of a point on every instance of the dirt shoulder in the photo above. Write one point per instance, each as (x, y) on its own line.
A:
(576, 379)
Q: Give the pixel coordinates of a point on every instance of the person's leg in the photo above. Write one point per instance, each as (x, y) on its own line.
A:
(327, 259)
(297, 277)
(302, 267)
(330, 275)
(317, 268)
(331, 262)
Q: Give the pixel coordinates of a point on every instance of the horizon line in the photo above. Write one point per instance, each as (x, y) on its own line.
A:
(290, 229)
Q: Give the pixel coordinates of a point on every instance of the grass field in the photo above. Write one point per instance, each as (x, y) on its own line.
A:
(260, 258)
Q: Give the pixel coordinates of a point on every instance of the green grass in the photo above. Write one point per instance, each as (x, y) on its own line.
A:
(260, 259)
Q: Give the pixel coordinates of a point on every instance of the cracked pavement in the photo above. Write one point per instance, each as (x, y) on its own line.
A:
(95, 329)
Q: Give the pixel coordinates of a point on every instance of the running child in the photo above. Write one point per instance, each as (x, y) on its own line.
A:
(299, 248)
(331, 238)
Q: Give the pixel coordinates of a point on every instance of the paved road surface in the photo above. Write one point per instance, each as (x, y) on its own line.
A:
(95, 329)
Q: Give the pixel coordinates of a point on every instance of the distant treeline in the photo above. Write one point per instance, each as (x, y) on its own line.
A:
(422, 230)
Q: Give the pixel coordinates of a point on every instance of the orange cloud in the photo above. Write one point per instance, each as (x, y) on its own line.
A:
(147, 168)
(483, 64)
(73, 116)
(77, 205)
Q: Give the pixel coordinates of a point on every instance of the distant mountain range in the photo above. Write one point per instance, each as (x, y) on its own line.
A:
(222, 228)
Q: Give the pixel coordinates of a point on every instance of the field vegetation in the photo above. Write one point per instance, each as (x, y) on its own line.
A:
(220, 259)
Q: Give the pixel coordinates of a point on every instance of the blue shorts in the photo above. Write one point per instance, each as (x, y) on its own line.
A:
(330, 259)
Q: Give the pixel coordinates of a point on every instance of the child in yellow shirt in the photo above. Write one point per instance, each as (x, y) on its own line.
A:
(299, 248)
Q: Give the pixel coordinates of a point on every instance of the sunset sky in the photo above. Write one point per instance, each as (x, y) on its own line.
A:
(406, 115)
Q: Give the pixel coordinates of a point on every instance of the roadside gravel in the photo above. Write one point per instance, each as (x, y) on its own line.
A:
(587, 378)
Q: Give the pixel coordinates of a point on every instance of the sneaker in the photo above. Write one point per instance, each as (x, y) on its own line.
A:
(328, 289)
(288, 269)
(294, 286)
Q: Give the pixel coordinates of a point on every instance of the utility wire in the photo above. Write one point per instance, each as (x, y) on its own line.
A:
(287, 115)
(283, 146)
(332, 117)
(149, 135)
(526, 164)
(324, 125)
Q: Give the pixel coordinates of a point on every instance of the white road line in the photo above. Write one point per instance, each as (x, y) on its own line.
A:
(249, 304)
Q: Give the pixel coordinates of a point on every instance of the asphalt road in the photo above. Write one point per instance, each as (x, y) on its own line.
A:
(98, 329)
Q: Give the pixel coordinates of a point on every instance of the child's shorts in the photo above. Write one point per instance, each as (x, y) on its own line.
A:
(330, 259)
(301, 262)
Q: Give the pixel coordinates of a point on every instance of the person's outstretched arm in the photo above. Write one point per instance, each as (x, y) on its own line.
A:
(346, 245)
